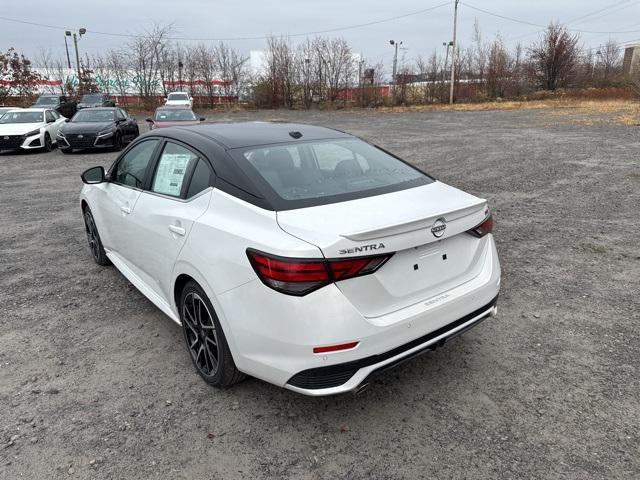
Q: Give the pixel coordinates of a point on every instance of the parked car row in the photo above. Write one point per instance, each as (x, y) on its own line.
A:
(94, 122)
(42, 128)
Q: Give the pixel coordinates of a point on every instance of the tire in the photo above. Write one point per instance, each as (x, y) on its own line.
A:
(48, 144)
(117, 143)
(93, 237)
(202, 334)
(66, 150)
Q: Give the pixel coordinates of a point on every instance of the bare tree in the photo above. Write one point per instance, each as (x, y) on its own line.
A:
(231, 69)
(480, 53)
(117, 63)
(102, 73)
(281, 72)
(498, 69)
(168, 66)
(338, 61)
(55, 72)
(144, 53)
(609, 63)
(554, 57)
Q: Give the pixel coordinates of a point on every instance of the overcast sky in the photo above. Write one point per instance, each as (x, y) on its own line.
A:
(420, 33)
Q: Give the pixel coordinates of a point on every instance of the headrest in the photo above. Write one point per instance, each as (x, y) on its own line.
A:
(348, 168)
(279, 159)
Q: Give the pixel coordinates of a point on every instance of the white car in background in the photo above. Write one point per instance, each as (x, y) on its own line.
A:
(179, 99)
(29, 128)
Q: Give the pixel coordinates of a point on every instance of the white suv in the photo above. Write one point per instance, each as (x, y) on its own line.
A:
(179, 99)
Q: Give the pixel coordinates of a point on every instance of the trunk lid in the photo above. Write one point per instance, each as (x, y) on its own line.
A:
(424, 226)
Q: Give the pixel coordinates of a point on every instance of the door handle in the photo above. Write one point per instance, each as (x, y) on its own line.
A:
(177, 230)
(126, 210)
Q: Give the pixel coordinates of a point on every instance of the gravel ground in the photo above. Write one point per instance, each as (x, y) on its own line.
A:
(95, 381)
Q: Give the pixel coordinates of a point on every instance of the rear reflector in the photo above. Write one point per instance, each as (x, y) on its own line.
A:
(335, 348)
(485, 227)
(300, 276)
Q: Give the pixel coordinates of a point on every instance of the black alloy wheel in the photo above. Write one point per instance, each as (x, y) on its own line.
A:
(93, 237)
(200, 334)
(48, 145)
(206, 342)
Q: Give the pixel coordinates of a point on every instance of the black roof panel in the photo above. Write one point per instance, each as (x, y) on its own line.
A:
(248, 134)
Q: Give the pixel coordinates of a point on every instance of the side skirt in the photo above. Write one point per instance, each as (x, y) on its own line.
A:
(142, 286)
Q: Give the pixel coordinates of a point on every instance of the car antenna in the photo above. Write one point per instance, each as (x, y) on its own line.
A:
(295, 135)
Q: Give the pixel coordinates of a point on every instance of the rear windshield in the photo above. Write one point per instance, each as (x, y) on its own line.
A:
(91, 115)
(167, 115)
(91, 98)
(47, 101)
(178, 96)
(315, 173)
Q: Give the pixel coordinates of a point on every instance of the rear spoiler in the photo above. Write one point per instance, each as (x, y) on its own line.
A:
(387, 231)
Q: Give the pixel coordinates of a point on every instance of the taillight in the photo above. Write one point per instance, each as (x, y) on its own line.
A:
(300, 276)
(485, 227)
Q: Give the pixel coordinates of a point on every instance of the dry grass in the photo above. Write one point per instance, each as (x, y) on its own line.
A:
(579, 111)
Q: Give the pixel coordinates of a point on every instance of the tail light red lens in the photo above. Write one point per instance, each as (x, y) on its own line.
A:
(300, 276)
(485, 227)
(335, 348)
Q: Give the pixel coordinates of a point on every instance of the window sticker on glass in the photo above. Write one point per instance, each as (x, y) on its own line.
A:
(171, 171)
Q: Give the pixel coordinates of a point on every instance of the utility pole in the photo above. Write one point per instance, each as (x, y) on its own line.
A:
(446, 61)
(75, 44)
(395, 59)
(76, 38)
(66, 47)
(454, 51)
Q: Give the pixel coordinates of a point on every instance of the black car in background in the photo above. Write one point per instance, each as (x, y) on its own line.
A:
(60, 103)
(98, 127)
(91, 100)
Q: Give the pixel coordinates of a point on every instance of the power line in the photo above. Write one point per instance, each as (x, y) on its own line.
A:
(229, 39)
(602, 10)
(524, 22)
(580, 18)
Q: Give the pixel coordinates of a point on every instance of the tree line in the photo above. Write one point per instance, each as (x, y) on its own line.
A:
(321, 71)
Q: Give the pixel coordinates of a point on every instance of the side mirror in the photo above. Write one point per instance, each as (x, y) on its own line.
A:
(202, 119)
(93, 175)
(51, 120)
(150, 120)
(67, 120)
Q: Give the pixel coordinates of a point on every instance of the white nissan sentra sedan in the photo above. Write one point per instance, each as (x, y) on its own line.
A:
(300, 255)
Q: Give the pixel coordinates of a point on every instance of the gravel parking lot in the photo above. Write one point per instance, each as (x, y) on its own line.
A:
(95, 382)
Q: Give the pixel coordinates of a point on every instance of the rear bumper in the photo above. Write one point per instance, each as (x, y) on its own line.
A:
(272, 336)
(350, 376)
